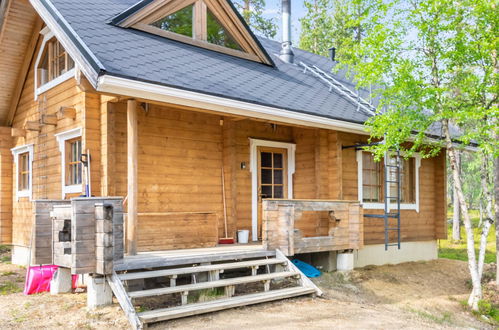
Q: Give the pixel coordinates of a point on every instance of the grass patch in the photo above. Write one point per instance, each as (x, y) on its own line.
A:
(449, 249)
(445, 317)
(4, 249)
(8, 288)
(8, 273)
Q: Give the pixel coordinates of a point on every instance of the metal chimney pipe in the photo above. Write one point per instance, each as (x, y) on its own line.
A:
(286, 54)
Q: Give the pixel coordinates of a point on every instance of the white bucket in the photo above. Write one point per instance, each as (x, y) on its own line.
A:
(242, 236)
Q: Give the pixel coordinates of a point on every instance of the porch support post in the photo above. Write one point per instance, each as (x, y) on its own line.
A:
(132, 146)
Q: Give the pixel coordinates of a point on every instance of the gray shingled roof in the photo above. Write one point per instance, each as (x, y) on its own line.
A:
(142, 56)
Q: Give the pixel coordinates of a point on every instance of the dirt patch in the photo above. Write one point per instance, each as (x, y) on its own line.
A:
(411, 295)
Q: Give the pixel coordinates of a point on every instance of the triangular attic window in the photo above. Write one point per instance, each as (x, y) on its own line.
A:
(217, 34)
(206, 27)
(211, 24)
(179, 22)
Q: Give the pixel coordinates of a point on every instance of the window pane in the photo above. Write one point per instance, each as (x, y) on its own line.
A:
(217, 34)
(278, 192)
(277, 160)
(179, 22)
(266, 191)
(371, 178)
(266, 176)
(278, 177)
(266, 159)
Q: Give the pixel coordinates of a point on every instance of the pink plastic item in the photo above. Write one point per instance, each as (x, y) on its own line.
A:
(38, 279)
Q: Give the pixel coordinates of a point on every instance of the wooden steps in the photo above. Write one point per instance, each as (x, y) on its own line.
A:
(200, 269)
(217, 305)
(212, 284)
(241, 273)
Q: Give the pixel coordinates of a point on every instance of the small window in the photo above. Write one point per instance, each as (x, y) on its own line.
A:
(23, 181)
(55, 62)
(73, 164)
(373, 190)
(23, 160)
(371, 179)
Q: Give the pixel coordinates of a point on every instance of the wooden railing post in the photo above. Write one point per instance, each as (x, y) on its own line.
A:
(132, 146)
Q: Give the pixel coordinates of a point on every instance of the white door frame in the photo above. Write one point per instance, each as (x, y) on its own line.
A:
(254, 144)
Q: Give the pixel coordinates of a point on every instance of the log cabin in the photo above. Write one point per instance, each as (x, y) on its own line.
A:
(138, 135)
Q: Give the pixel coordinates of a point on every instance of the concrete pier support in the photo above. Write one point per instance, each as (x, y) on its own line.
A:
(61, 281)
(344, 261)
(99, 292)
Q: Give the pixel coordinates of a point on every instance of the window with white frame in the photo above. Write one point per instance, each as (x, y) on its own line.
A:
(53, 64)
(71, 168)
(372, 189)
(23, 159)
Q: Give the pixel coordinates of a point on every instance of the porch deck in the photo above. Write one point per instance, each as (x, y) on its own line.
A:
(155, 259)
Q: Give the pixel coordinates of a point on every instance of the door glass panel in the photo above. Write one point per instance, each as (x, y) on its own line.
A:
(266, 159)
(278, 177)
(266, 191)
(277, 160)
(278, 192)
(266, 176)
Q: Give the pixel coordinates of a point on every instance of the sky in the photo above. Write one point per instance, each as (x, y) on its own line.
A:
(298, 10)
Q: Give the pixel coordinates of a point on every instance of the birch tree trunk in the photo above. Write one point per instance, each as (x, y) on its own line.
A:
(456, 219)
(487, 223)
(476, 293)
(496, 195)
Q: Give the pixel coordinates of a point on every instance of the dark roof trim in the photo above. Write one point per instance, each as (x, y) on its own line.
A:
(118, 19)
(73, 37)
(247, 27)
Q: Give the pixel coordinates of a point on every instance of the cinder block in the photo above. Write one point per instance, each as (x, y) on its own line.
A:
(99, 292)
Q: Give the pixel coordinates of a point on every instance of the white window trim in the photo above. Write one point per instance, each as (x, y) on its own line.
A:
(15, 153)
(61, 139)
(47, 35)
(381, 206)
(254, 144)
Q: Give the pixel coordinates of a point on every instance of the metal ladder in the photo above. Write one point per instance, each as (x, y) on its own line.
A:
(335, 84)
(392, 175)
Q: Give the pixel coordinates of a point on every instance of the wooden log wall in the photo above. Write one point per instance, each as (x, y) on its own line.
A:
(47, 157)
(6, 164)
(180, 158)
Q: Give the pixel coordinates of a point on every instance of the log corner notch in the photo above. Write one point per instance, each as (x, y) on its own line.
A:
(17, 132)
(66, 112)
(132, 172)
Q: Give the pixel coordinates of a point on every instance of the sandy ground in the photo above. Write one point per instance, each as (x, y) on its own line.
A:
(410, 296)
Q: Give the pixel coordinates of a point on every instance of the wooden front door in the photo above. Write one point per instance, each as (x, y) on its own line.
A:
(272, 177)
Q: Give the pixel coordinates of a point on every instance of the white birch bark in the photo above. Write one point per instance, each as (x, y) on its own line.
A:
(456, 218)
(476, 293)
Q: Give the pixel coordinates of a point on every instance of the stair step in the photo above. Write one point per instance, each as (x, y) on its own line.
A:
(216, 305)
(199, 269)
(143, 260)
(211, 284)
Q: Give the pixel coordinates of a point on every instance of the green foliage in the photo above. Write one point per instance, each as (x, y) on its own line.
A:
(457, 250)
(433, 62)
(316, 27)
(488, 309)
(252, 12)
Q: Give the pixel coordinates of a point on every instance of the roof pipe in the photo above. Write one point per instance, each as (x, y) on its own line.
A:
(286, 54)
